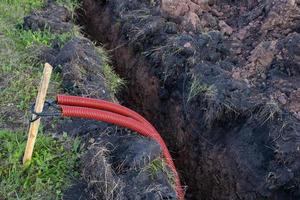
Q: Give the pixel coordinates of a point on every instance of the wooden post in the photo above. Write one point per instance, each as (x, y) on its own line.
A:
(39, 105)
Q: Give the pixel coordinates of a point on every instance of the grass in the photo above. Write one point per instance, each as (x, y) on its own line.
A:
(53, 164)
(197, 88)
(49, 172)
(158, 166)
(71, 5)
(19, 67)
(20, 71)
(269, 111)
(114, 82)
(28, 38)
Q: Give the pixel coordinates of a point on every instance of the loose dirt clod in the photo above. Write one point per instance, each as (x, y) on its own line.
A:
(57, 19)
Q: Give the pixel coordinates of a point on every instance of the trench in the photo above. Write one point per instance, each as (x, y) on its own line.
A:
(164, 108)
(143, 92)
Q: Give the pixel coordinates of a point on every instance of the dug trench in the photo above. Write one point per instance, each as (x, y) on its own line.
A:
(218, 79)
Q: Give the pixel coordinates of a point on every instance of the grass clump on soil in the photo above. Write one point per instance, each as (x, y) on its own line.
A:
(269, 111)
(158, 166)
(49, 172)
(197, 88)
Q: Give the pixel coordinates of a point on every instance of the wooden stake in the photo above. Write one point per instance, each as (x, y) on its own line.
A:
(39, 105)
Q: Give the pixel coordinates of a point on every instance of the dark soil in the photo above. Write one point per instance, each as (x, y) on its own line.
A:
(56, 19)
(220, 81)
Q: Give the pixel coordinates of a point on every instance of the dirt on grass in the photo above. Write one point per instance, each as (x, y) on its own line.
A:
(220, 81)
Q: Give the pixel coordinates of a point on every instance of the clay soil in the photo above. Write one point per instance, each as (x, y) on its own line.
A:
(220, 81)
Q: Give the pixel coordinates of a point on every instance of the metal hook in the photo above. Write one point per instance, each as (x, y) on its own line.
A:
(46, 110)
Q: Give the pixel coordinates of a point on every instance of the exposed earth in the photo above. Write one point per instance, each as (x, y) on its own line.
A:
(219, 79)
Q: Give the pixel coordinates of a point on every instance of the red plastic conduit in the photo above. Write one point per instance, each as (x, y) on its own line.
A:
(102, 105)
(76, 107)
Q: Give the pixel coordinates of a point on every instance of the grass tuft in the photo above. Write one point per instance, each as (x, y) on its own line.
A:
(269, 111)
(46, 176)
(71, 5)
(158, 166)
(115, 83)
(197, 88)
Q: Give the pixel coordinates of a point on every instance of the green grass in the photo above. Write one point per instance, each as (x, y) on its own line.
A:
(28, 38)
(157, 166)
(197, 88)
(114, 82)
(71, 5)
(20, 70)
(48, 174)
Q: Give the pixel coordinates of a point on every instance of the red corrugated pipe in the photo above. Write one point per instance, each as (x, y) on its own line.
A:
(102, 105)
(108, 112)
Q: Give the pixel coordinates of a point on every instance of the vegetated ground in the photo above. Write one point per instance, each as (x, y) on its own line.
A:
(50, 173)
(220, 80)
(73, 158)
